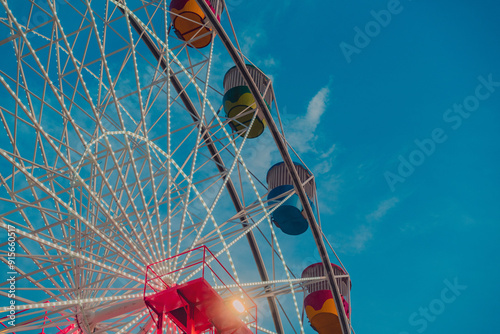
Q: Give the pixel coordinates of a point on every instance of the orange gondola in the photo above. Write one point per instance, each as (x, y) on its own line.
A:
(190, 22)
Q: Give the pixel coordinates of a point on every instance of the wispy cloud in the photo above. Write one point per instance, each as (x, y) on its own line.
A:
(317, 107)
(365, 232)
(323, 167)
(301, 134)
(355, 243)
(270, 61)
(360, 238)
(328, 152)
(250, 39)
(382, 209)
(262, 154)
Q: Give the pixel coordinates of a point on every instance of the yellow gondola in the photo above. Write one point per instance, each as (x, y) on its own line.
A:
(239, 103)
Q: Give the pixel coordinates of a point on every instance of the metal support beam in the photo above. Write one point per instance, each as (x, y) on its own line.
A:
(299, 189)
(114, 311)
(219, 163)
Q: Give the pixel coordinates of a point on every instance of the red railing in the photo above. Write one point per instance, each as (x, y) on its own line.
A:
(196, 263)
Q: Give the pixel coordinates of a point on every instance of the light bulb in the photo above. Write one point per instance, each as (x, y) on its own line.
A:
(238, 306)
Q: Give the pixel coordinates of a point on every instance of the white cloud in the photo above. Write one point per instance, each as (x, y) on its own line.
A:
(355, 243)
(270, 61)
(323, 167)
(358, 241)
(326, 162)
(360, 238)
(261, 154)
(250, 39)
(302, 129)
(329, 152)
(301, 134)
(317, 107)
(382, 209)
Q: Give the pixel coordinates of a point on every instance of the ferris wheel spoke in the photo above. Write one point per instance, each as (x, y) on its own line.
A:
(142, 196)
(156, 206)
(260, 264)
(38, 263)
(106, 75)
(72, 253)
(136, 73)
(238, 158)
(248, 229)
(217, 197)
(51, 270)
(41, 322)
(148, 159)
(124, 189)
(78, 67)
(285, 269)
(133, 322)
(34, 282)
(34, 123)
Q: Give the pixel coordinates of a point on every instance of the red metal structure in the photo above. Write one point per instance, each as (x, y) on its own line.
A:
(194, 306)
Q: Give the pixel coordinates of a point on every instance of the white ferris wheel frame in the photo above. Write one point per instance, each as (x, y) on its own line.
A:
(143, 155)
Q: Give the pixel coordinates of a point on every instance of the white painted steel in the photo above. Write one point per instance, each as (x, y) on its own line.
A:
(105, 168)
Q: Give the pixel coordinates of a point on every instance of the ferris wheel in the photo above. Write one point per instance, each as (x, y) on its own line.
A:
(128, 199)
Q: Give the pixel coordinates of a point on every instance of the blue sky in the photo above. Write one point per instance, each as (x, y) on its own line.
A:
(354, 118)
